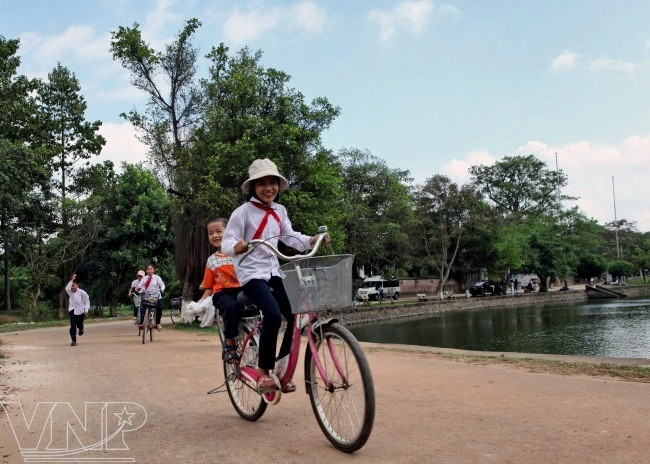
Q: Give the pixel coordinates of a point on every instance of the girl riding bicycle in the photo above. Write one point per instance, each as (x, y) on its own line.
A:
(259, 274)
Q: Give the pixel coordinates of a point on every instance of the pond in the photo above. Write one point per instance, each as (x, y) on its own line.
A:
(615, 328)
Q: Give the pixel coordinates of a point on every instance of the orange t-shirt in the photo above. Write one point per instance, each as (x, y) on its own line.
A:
(219, 273)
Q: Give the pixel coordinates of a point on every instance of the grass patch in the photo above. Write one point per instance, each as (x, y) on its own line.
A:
(195, 327)
(616, 371)
(19, 326)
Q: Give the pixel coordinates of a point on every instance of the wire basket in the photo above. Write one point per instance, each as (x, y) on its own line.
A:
(319, 283)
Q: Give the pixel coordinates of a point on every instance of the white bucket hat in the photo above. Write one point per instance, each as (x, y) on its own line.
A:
(141, 273)
(262, 168)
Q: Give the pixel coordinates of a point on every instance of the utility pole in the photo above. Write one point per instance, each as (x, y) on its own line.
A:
(557, 179)
(559, 210)
(618, 249)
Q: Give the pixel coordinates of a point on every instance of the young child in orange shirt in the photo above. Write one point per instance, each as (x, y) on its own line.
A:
(220, 282)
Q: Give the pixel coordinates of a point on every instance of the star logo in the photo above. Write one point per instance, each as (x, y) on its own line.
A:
(124, 417)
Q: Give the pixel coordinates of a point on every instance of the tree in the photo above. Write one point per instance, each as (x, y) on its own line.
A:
(167, 126)
(591, 265)
(521, 185)
(619, 269)
(65, 131)
(444, 210)
(70, 140)
(246, 111)
(251, 112)
(378, 212)
(24, 176)
(168, 123)
(133, 210)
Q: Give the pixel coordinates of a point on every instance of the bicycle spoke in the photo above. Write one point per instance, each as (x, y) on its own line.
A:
(343, 401)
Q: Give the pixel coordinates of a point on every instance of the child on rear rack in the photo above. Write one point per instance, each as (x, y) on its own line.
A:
(261, 218)
(220, 282)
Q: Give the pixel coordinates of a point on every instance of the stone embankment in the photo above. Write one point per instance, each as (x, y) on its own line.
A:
(369, 313)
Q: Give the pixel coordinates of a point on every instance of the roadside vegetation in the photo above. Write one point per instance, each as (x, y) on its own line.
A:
(633, 373)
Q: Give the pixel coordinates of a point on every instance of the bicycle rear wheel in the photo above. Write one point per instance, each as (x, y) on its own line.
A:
(242, 391)
(344, 407)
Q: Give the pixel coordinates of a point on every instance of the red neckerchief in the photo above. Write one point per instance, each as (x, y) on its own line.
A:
(269, 212)
(146, 285)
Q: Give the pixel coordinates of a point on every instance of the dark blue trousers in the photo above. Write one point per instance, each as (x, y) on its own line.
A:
(273, 305)
(226, 303)
(76, 321)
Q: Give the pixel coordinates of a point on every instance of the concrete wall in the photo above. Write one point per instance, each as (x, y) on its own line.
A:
(363, 314)
(428, 286)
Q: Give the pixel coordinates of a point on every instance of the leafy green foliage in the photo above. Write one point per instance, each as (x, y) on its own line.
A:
(377, 213)
(134, 211)
(444, 211)
(620, 269)
(591, 265)
(520, 184)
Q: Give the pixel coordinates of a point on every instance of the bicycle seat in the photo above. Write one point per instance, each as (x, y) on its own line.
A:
(243, 299)
(250, 309)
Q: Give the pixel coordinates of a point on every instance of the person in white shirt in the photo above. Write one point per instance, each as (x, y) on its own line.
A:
(135, 295)
(78, 307)
(262, 218)
(151, 287)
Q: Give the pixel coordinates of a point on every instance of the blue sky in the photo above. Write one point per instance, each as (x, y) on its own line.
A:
(428, 86)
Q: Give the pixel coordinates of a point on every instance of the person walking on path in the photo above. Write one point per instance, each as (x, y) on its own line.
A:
(78, 307)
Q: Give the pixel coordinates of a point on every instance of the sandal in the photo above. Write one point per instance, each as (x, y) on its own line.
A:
(265, 383)
(288, 387)
(230, 354)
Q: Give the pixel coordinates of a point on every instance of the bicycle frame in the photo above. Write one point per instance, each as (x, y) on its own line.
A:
(338, 379)
(294, 353)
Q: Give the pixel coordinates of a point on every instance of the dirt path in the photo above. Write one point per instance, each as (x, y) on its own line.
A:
(428, 409)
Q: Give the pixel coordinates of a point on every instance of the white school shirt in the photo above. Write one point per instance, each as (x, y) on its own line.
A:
(79, 301)
(154, 289)
(261, 263)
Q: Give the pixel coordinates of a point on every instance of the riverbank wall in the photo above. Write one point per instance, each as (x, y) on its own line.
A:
(393, 310)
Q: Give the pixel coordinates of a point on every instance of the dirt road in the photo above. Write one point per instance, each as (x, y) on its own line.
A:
(428, 409)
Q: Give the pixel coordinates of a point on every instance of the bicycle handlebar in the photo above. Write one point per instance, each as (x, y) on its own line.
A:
(253, 244)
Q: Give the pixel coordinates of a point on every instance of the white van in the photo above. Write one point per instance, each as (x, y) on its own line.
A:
(372, 288)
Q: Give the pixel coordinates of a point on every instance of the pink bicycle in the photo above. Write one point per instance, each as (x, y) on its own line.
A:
(337, 376)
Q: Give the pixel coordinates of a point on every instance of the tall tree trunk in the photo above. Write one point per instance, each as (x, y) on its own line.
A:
(7, 282)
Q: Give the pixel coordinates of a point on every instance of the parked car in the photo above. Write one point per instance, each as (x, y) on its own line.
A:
(483, 288)
(378, 288)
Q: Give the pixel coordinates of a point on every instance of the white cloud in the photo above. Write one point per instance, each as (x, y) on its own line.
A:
(589, 168)
(458, 169)
(308, 16)
(242, 27)
(606, 64)
(564, 62)
(77, 44)
(409, 16)
(121, 145)
(158, 21)
(257, 20)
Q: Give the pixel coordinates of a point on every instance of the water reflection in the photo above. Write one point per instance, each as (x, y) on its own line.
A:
(619, 328)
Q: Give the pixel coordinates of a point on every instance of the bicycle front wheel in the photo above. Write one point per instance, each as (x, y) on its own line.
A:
(242, 391)
(344, 401)
(145, 323)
